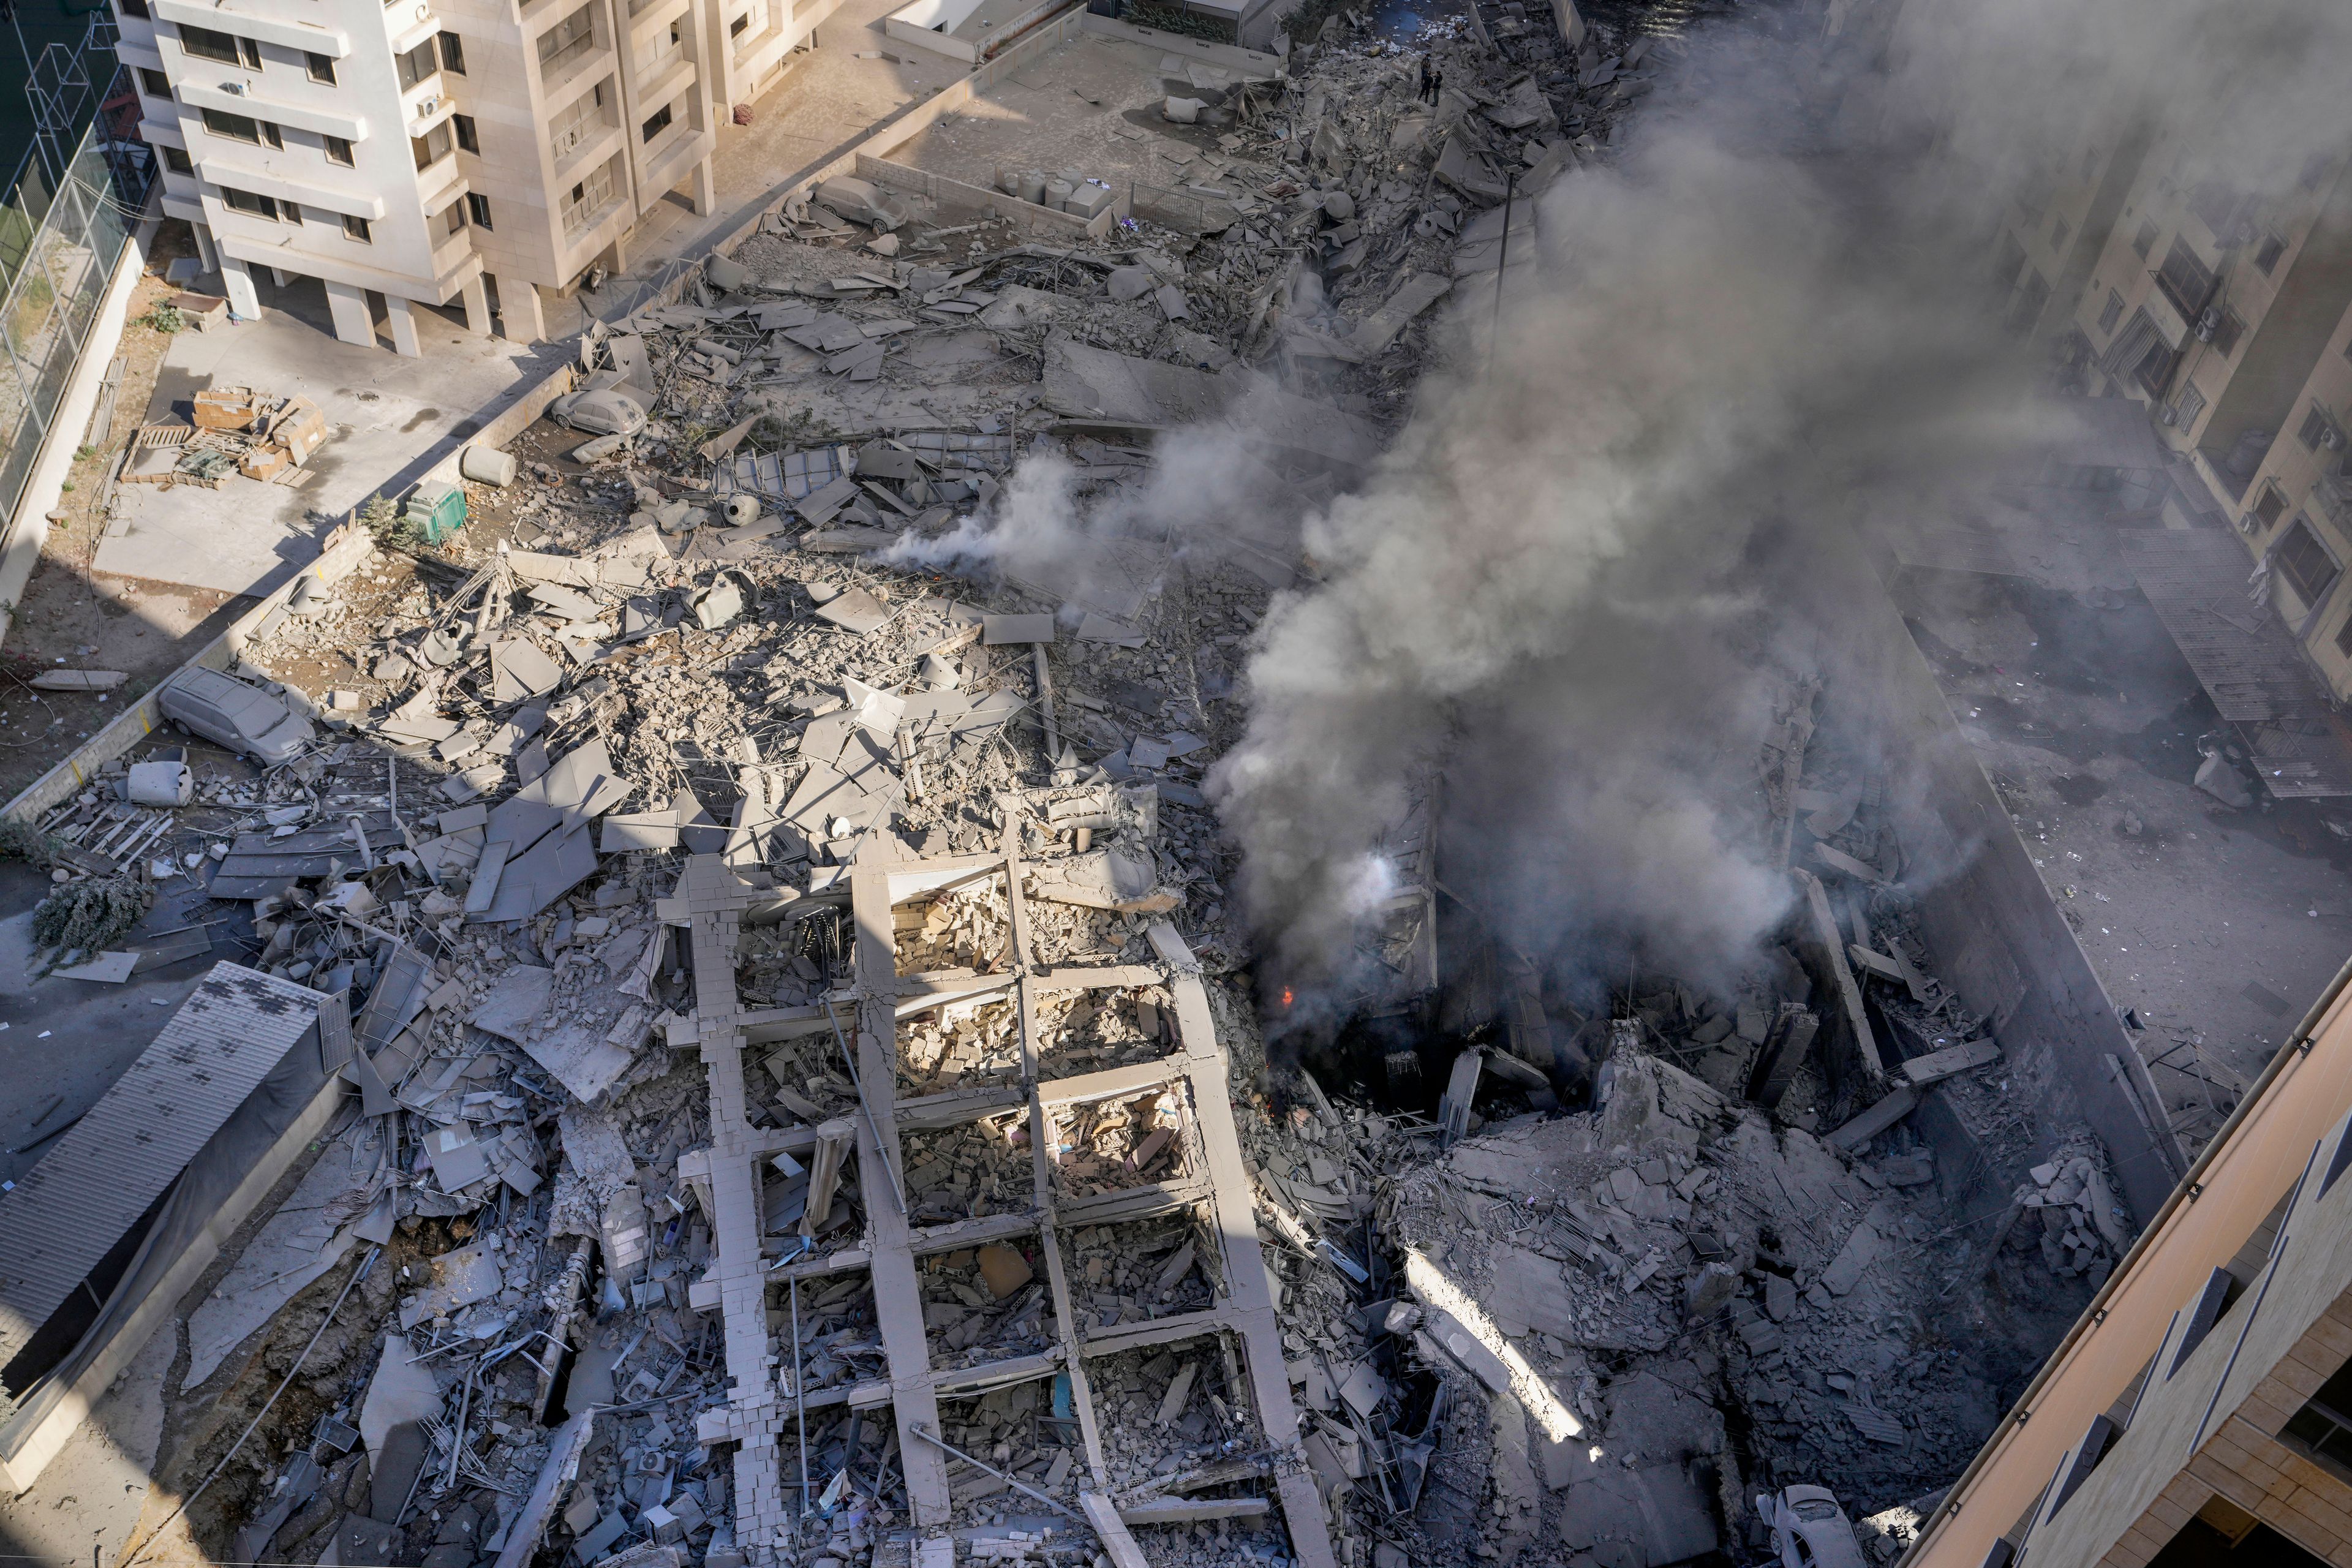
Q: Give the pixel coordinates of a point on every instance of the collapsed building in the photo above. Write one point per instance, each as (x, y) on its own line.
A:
(801, 1095)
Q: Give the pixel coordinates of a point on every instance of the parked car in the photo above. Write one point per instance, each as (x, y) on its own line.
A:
(1809, 1529)
(227, 712)
(599, 411)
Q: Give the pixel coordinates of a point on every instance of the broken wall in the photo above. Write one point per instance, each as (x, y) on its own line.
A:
(1996, 935)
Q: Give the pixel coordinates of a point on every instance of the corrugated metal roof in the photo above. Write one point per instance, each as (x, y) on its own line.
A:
(71, 1208)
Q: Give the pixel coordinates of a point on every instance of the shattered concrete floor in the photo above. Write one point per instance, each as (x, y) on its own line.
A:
(706, 1175)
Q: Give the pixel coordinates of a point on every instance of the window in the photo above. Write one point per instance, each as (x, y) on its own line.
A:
(739, 26)
(2316, 429)
(587, 198)
(2304, 561)
(246, 202)
(433, 146)
(2188, 406)
(453, 53)
(566, 41)
(2215, 205)
(578, 121)
(176, 159)
(226, 48)
(418, 65)
(2227, 330)
(235, 127)
(452, 219)
(132, 7)
(467, 141)
(2267, 254)
(2315, 171)
(2009, 263)
(154, 83)
(2140, 354)
(478, 210)
(2343, 637)
(2144, 240)
(338, 151)
(2323, 1427)
(2270, 506)
(322, 68)
(2059, 230)
(357, 229)
(2185, 278)
(656, 122)
(2111, 312)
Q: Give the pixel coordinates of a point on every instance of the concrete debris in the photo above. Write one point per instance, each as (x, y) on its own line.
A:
(803, 1074)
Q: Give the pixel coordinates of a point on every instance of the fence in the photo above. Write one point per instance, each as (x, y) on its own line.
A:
(69, 254)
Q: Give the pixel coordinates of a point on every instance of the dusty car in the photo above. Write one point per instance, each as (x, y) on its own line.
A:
(859, 201)
(227, 712)
(599, 411)
(1809, 1529)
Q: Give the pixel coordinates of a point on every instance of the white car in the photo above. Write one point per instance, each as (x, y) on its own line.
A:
(235, 716)
(1809, 1529)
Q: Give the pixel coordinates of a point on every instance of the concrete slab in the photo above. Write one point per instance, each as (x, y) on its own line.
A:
(83, 1507)
(389, 418)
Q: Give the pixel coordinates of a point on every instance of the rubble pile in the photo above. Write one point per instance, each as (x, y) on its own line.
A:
(765, 628)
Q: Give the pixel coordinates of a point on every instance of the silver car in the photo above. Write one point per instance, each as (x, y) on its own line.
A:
(229, 713)
(1809, 1529)
(600, 411)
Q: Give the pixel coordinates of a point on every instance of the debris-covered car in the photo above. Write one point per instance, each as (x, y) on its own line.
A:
(860, 201)
(228, 712)
(1809, 1529)
(599, 411)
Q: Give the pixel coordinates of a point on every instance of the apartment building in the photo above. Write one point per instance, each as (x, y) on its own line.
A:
(2056, 229)
(2201, 1411)
(462, 153)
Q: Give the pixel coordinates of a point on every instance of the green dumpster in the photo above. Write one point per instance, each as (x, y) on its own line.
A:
(436, 509)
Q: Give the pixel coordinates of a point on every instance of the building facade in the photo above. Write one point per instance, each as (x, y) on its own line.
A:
(463, 153)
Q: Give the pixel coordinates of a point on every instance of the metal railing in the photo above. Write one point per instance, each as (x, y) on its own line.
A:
(67, 257)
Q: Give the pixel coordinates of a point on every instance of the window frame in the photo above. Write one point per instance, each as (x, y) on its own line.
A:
(2267, 254)
(478, 211)
(2143, 241)
(320, 67)
(358, 229)
(2296, 532)
(338, 150)
(659, 120)
(266, 209)
(2270, 505)
(156, 84)
(469, 137)
(2111, 314)
(243, 52)
(176, 159)
(420, 147)
(452, 50)
(403, 64)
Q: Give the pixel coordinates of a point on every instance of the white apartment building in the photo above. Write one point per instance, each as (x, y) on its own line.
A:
(464, 153)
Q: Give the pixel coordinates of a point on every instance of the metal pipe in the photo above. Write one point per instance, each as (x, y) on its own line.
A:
(881, 1150)
(800, 1400)
(945, 1446)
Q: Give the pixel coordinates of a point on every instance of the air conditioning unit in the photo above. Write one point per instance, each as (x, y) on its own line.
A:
(430, 107)
(2332, 438)
(236, 88)
(2207, 324)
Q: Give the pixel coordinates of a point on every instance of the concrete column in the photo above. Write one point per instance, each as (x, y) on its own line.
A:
(238, 284)
(478, 306)
(519, 310)
(403, 326)
(354, 322)
(207, 252)
(702, 197)
(278, 275)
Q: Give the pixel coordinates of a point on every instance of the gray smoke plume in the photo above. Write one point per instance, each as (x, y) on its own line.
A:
(1571, 580)
(1570, 584)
